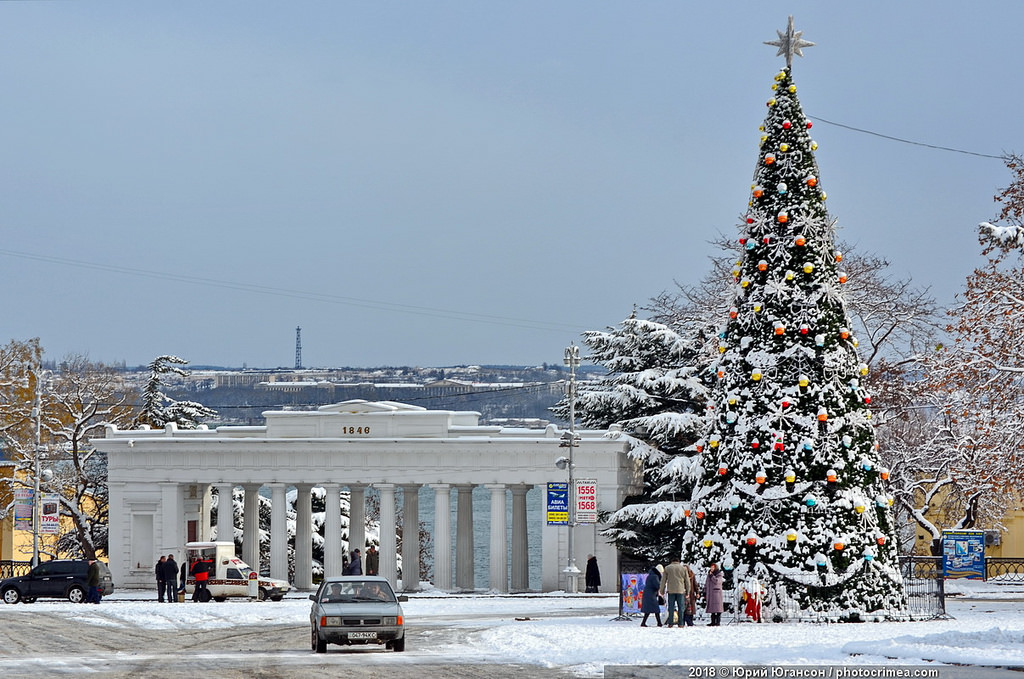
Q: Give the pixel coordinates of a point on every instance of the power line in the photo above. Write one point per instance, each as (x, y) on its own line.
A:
(451, 314)
(905, 141)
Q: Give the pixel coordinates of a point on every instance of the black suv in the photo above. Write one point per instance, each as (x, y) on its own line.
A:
(59, 578)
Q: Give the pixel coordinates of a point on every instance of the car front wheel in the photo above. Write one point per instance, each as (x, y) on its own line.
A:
(76, 594)
(11, 596)
(398, 644)
(319, 645)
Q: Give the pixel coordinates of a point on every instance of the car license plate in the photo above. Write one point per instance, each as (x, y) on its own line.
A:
(362, 635)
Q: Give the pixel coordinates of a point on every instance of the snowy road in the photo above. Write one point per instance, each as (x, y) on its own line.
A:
(466, 637)
(123, 638)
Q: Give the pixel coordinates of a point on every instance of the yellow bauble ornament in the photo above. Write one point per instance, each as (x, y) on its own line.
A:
(792, 89)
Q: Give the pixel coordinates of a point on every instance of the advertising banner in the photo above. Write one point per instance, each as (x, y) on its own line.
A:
(23, 508)
(963, 554)
(632, 592)
(49, 513)
(586, 501)
(558, 504)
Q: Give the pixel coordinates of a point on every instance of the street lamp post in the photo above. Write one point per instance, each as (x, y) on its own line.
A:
(572, 573)
(37, 408)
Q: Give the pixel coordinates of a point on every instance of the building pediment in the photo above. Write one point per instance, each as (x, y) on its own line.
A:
(362, 406)
(366, 419)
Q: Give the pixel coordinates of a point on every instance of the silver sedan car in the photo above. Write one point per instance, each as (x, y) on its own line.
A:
(357, 609)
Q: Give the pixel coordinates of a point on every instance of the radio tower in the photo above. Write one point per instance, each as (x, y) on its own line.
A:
(298, 348)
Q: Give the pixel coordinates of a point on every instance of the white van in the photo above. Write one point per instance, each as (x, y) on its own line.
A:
(231, 576)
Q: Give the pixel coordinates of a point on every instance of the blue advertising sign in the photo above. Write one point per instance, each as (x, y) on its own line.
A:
(963, 554)
(632, 593)
(558, 504)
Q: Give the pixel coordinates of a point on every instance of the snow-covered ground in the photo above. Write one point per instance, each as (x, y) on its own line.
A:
(581, 633)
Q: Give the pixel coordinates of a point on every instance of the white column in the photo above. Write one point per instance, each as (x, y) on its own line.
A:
(442, 536)
(499, 543)
(278, 532)
(357, 518)
(520, 540)
(205, 504)
(464, 576)
(117, 532)
(225, 513)
(388, 538)
(172, 520)
(251, 525)
(410, 538)
(332, 529)
(303, 537)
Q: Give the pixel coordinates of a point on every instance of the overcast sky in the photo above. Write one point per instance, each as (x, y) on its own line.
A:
(435, 183)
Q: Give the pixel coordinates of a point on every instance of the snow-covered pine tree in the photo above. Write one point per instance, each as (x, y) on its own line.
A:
(790, 488)
(653, 392)
(158, 409)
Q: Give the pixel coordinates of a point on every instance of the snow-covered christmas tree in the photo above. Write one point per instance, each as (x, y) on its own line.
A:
(789, 488)
(653, 392)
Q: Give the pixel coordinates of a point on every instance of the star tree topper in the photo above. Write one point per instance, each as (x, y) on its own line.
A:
(789, 43)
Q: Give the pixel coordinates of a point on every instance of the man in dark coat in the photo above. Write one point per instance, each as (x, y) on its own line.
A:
(593, 574)
(92, 581)
(171, 579)
(372, 560)
(158, 571)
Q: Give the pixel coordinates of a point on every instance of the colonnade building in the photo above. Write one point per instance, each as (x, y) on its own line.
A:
(160, 483)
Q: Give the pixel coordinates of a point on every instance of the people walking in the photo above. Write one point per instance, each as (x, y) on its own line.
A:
(201, 568)
(372, 560)
(713, 595)
(92, 581)
(676, 585)
(158, 570)
(649, 601)
(171, 579)
(183, 576)
(593, 578)
(355, 564)
(691, 598)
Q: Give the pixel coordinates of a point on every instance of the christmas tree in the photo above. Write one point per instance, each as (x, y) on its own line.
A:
(653, 392)
(789, 488)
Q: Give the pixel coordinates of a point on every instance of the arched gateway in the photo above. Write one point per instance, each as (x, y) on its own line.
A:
(160, 481)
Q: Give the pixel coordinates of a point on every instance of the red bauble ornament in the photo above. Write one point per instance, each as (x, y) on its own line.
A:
(786, 125)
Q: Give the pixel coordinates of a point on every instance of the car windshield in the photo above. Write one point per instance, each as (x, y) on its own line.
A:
(350, 591)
